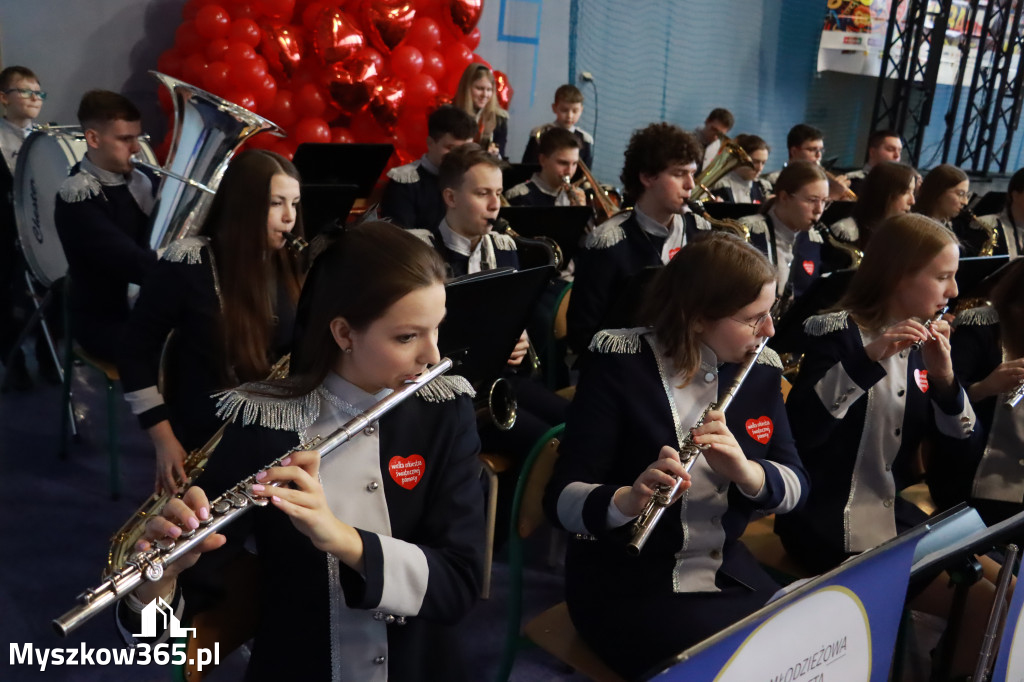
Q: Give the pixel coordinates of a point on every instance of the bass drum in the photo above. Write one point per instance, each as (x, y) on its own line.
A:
(45, 160)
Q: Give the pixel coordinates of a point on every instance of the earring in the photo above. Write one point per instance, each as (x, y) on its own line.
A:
(347, 350)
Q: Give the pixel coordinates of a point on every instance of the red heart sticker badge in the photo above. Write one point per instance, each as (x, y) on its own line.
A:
(921, 379)
(672, 253)
(760, 429)
(809, 267)
(407, 471)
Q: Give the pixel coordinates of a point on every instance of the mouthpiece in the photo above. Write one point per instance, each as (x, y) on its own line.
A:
(295, 242)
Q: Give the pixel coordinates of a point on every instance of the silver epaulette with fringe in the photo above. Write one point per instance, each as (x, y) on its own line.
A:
(820, 325)
(609, 233)
(80, 186)
(755, 223)
(517, 191)
(617, 340)
(977, 317)
(503, 242)
(702, 223)
(845, 229)
(283, 414)
(406, 174)
(186, 250)
(446, 387)
(771, 358)
(426, 235)
(815, 236)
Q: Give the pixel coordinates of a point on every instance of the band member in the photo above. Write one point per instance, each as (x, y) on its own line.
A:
(228, 295)
(887, 191)
(709, 308)
(378, 547)
(102, 217)
(988, 356)
(22, 99)
(568, 107)
(1003, 232)
(807, 143)
(743, 184)
(412, 197)
(943, 194)
(559, 154)
(477, 96)
(786, 229)
(883, 145)
(709, 136)
(658, 176)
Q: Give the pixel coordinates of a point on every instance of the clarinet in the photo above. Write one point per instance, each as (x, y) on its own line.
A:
(688, 453)
(149, 565)
(927, 325)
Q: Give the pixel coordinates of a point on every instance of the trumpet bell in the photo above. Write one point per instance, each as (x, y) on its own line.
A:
(207, 131)
(729, 157)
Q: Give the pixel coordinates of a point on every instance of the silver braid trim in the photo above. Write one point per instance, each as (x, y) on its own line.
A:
(446, 387)
(283, 414)
(770, 358)
(756, 223)
(187, 250)
(820, 325)
(977, 317)
(79, 187)
(617, 341)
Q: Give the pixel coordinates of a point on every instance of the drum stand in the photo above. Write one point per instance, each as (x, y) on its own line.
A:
(38, 316)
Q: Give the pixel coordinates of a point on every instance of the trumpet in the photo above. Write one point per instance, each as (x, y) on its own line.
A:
(688, 453)
(833, 183)
(150, 565)
(928, 325)
(1015, 397)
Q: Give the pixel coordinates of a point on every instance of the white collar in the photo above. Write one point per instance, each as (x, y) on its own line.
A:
(24, 132)
(348, 397)
(107, 178)
(428, 165)
(455, 241)
(653, 227)
(786, 231)
(544, 187)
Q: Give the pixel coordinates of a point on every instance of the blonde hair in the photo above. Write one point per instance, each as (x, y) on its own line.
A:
(492, 111)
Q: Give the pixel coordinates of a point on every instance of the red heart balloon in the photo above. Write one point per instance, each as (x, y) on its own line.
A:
(282, 48)
(464, 14)
(336, 37)
(503, 89)
(386, 104)
(351, 88)
(387, 22)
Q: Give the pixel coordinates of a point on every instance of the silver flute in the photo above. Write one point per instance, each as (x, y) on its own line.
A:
(149, 565)
(688, 453)
(1015, 396)
(928, 325)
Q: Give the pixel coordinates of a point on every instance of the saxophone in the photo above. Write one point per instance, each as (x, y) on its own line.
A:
(122, 544)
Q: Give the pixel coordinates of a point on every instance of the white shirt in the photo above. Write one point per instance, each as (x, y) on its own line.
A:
(11, 139)
(674, 234)
(481, 257)
(785, 237)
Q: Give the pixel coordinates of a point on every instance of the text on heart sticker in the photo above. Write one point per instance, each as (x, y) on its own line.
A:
(921, 379)
(407, 471)
(760, 429)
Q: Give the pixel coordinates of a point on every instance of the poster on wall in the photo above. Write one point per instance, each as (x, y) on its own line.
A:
(853, 36)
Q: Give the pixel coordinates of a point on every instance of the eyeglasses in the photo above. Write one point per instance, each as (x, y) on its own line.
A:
(961, 194)
(824, 202)
(758, 323)
(27, 93)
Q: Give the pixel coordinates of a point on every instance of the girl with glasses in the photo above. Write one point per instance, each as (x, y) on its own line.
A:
(639, 393)
(943, 194)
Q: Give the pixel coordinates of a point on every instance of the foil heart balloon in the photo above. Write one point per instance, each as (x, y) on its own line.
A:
(503, 90)
(386, 102)
(336, 36)
(464, 14)
(387, 22)
(281, 46)
(351, 85)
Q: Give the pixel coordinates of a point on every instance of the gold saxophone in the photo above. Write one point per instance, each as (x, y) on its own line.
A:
(848, 248)
(988, 248)
(122, 544)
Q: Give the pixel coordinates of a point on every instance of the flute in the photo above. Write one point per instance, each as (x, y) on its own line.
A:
(150, 565)
(927, 325)
(1016, 396)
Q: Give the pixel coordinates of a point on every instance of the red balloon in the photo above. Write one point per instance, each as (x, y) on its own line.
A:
(213, 21)
(406, 61)
(242, 98)
(351, 88)
(238, 54)
(279, 146)
(170, 62)
(341, 136)
(413, 123)
(503, 89)
(472, 39)
(216, 50)
(266, 94)
(365, 129)
(386, 103)
(192, 7)
(245, 31)
(277, 11)
(424, 34)
(193, 69)
(163, 96)
(336, 37)
(249, 75)
(282, 47)
(311, 130)
(217, 78)
(387, 21)
(311, 14)
(421, 91)
(457, 56)
(187, 38)
(433, 65)
(464, 14)
(368, 54)
(282, 112)
(309, 100)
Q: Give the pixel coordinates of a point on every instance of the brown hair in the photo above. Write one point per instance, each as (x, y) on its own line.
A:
(8, 76)
(937, 181)
(1008, 300)
(710, 278)
(653, 149)
(555, 139)
(901, 247)
(247, 269)
(794, 177)
(569, 94)
(723, 116)
(463, 99)
(751, 143)
(99, 107)
(359, 275)
(886, 181)
(459, 160)
(452, 121)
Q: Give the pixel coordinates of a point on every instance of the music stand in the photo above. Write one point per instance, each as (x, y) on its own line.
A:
(723, 210)
(325, 205)
(976, 276)
(822, 294)
(327, 163)
(991, 203)
(837, 211)
(487, 312)
(565, 224)
(515, 173)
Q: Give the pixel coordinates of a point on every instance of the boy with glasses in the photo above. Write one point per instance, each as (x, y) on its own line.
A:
(807, 143)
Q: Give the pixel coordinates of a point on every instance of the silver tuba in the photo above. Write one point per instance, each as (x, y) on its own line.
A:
(207, 131)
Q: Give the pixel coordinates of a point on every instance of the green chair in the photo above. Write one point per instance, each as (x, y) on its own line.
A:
(552, 630)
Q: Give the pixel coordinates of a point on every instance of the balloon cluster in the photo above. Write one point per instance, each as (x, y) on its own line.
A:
(341, 71)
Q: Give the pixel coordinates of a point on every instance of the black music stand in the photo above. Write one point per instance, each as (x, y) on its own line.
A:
(564, 224)
(515, 173)
(327, 163)
(822, 294)
(837, 211)
(724, 210)
(991, 203)
(487, 312)
(976, 276)
(325, 205)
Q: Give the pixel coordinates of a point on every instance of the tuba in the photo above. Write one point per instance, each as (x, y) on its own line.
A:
(207, 132)
(728, 158)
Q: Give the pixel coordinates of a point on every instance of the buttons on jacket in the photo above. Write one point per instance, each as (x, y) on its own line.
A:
(372, 486)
